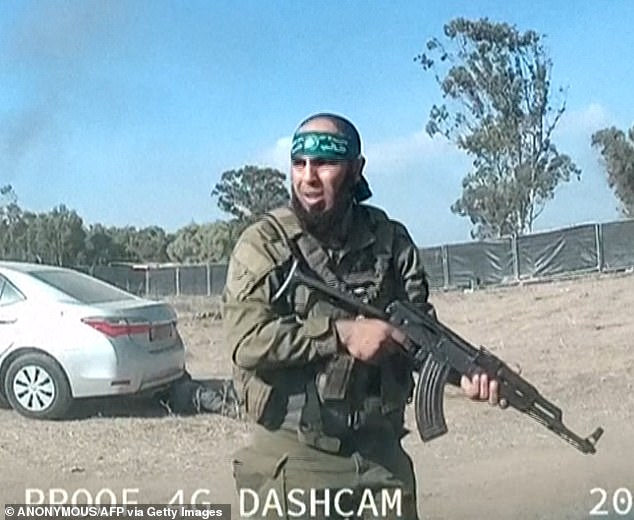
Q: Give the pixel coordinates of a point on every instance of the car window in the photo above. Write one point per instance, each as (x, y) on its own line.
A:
(8, 293)
(81, 287)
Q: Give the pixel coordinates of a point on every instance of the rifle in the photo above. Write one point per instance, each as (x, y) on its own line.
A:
(434, 350)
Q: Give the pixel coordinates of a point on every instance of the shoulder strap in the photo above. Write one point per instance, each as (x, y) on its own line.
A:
(308, 253)
(275, 218)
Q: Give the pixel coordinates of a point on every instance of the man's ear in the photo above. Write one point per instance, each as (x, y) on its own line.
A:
(358, 168)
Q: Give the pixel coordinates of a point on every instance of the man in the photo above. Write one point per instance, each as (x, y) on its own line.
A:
(327, 391)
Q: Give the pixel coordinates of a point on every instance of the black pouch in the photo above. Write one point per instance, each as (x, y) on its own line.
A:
(262, 403)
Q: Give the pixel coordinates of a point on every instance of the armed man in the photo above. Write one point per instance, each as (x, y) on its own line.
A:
(326, 390)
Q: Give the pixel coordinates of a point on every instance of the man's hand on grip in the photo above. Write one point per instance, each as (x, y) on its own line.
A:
(367, 339)
(481, 388)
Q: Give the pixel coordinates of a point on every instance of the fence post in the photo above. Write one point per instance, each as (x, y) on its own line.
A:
(598, 236)
(445, 266)
(147, 281)
(516, 257)
(208, 269)
(177, 274)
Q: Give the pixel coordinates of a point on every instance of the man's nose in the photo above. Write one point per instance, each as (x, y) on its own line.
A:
(310, 170)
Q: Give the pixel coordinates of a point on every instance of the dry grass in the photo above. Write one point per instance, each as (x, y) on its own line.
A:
(572, 338)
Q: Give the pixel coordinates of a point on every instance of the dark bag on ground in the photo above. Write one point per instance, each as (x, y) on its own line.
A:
(189, 396)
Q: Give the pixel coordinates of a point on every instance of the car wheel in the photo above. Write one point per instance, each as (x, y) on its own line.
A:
(37, 387)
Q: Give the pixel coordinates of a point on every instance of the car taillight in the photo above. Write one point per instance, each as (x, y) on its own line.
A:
(117, 326)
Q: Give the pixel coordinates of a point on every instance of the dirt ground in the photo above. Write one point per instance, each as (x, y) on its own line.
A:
(573, 340)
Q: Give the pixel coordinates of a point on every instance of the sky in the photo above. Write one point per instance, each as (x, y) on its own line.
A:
(129, 111)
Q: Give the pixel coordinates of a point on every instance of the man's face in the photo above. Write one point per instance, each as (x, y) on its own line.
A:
(321, 186)
(317, 183)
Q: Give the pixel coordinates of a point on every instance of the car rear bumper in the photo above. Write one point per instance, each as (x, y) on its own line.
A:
(126, 371)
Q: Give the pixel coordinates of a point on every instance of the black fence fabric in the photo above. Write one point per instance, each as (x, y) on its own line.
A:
(578, 249)
(433, 259)
(134, 281)
(480, 263)
(193, 280)
(558, 252)
(617, 245)
(156, 282)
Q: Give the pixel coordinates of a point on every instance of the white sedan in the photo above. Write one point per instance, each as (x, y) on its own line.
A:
(65, 335)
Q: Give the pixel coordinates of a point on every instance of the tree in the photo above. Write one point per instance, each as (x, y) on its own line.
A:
(14, 227)
(496, 85)
(59, 236)
(217, 239)
(129, 244)
(100, 247)
(250, 191)
(149, 244)
(123, 239)
(7, 195)
(12, 230)
(617, 153)
(195, 243)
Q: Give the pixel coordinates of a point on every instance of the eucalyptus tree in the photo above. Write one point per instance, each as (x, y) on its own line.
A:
(617, 154)
(498, 108)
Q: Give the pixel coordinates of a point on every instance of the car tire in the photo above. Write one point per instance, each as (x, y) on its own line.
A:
(36, 387)
(4, 404)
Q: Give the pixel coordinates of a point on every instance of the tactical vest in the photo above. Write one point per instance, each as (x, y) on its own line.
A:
(330, 401)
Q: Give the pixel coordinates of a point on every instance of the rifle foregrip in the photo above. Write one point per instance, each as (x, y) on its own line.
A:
(429, 400)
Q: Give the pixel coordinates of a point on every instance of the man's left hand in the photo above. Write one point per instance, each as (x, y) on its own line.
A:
(481, 388)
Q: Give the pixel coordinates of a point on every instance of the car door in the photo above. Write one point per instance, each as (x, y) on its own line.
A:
(10, 296)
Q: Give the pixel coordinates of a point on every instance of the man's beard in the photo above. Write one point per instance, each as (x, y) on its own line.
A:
(327, 226)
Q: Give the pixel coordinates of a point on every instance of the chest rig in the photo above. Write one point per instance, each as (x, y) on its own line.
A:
(343, 396)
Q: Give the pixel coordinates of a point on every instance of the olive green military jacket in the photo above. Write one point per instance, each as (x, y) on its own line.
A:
(276, 342)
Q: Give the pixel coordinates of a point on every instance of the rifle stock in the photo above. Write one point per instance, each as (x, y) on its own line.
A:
(435, 350)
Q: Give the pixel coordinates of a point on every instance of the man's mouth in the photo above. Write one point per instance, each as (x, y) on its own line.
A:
(313, 197)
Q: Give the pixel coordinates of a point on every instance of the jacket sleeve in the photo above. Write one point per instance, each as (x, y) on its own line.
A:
(259, 336)
(410, 268)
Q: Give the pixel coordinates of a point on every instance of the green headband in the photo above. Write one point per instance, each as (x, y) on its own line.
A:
(325, 145)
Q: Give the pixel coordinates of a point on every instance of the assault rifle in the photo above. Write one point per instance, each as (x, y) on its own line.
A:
(435, 350)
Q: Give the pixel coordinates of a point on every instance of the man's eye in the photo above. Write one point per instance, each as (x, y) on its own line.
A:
(298, 163)
(324, 162)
